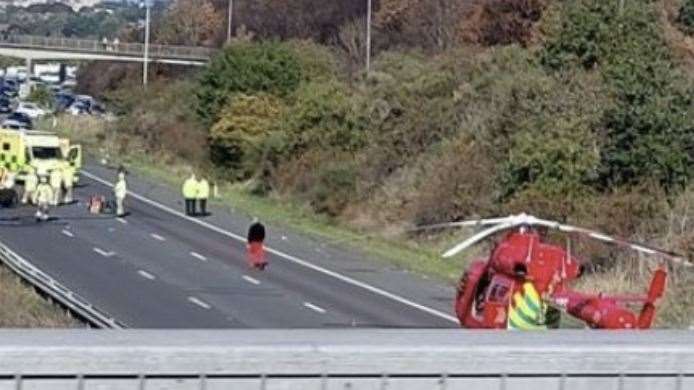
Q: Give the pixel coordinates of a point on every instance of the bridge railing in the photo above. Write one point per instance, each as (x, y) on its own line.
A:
(111, 48)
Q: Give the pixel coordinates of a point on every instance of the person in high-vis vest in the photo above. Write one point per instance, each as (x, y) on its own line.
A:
(190, 193)
(44, 197)
(30, 183)
(527, 310)
(120, 190)
(202, 194)
(68, 182)
(55, 180)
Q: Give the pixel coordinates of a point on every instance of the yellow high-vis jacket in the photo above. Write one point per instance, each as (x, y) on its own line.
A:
(203, 189)
(526, 310)
(190, 188)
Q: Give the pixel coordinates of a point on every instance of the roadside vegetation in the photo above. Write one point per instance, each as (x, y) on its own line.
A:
(577, 111)
(22, 307)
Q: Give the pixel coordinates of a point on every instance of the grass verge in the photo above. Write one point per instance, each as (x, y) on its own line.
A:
(23, 307)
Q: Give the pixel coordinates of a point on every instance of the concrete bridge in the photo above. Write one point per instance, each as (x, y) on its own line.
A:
(35, 48)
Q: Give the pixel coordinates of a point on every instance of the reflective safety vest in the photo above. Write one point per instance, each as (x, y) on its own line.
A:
(526, 310)
(203, 189)
(190, 188)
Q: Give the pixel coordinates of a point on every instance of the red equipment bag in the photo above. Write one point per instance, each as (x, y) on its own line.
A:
(256, 255)
(96, 204)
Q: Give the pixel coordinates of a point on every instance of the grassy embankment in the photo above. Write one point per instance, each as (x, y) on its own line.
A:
(23, 307)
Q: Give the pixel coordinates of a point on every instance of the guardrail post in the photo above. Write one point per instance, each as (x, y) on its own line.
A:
(384, 381)
(443, 381)
(263, 382)
(502, 381)
(80, 382)
(18, 382)
(562, 382)
(203, 382)
(142, 379)
(620, 382)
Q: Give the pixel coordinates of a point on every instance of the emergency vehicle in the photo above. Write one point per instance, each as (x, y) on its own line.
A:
(39, 150)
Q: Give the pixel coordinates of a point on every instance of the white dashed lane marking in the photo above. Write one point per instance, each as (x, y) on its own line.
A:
(288, 257)
(314, 307)
(103, 252)
(200, 303)
(251, 280)
(146, 275)
(157, 237)
(68, 233)
(121, 220)
(198, 256)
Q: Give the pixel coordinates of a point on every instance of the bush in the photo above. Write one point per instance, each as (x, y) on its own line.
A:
(162, 117)
(648, 129)
(247, 68)
(325, 115)
(686, 16)
(238, 138)
(41, 96)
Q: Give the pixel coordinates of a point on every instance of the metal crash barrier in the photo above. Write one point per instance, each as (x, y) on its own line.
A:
(352, 359)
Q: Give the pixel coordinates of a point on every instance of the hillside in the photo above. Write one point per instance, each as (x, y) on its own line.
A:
(577, 111)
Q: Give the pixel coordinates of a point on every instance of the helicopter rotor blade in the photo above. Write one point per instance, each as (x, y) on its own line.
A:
(467, 223)
(636, 246)
(478, 237)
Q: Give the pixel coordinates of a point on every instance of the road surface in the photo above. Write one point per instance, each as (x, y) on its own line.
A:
(158, 269)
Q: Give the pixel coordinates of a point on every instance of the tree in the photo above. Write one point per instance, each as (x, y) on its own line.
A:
(426, 23)
(190, 23)
(248, 68)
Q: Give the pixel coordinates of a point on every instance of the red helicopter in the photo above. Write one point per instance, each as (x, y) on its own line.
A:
(486, 288)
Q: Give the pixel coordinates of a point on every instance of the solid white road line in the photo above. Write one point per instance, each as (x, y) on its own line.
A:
(198, 256)
(285, 256)
(199, 303)
(157, 237)
(68, 233)
(103, 252)
(146, 275)
(251, 280)
(121, 220)
(314, 307)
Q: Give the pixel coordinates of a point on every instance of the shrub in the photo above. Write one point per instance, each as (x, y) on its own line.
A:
(648, 129)
(325, 115)
(41, 96)
(685, 16)
(238, 138)
(247, 68)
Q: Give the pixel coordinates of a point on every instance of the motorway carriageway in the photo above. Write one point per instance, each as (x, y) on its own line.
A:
(160, 269)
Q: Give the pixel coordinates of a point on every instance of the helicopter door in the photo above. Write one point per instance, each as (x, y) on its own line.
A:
(495, 302)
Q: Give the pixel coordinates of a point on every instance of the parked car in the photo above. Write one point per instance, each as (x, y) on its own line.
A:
(80, 108)
(32, 110)
(20, 117)
(5, 105)
(62, 101)
(15, 125)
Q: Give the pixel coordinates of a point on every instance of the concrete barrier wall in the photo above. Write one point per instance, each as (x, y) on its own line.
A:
(346, 359)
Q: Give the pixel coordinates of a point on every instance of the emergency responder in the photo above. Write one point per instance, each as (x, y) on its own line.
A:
(256, 251)
(55, 180)
(119, 191)
(190, 189)
(44, 197)
(202, 194)
(68, 182)
(527, 310)
(30, 183)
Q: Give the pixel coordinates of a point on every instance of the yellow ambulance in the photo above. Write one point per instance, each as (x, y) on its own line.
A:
(41, 151)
